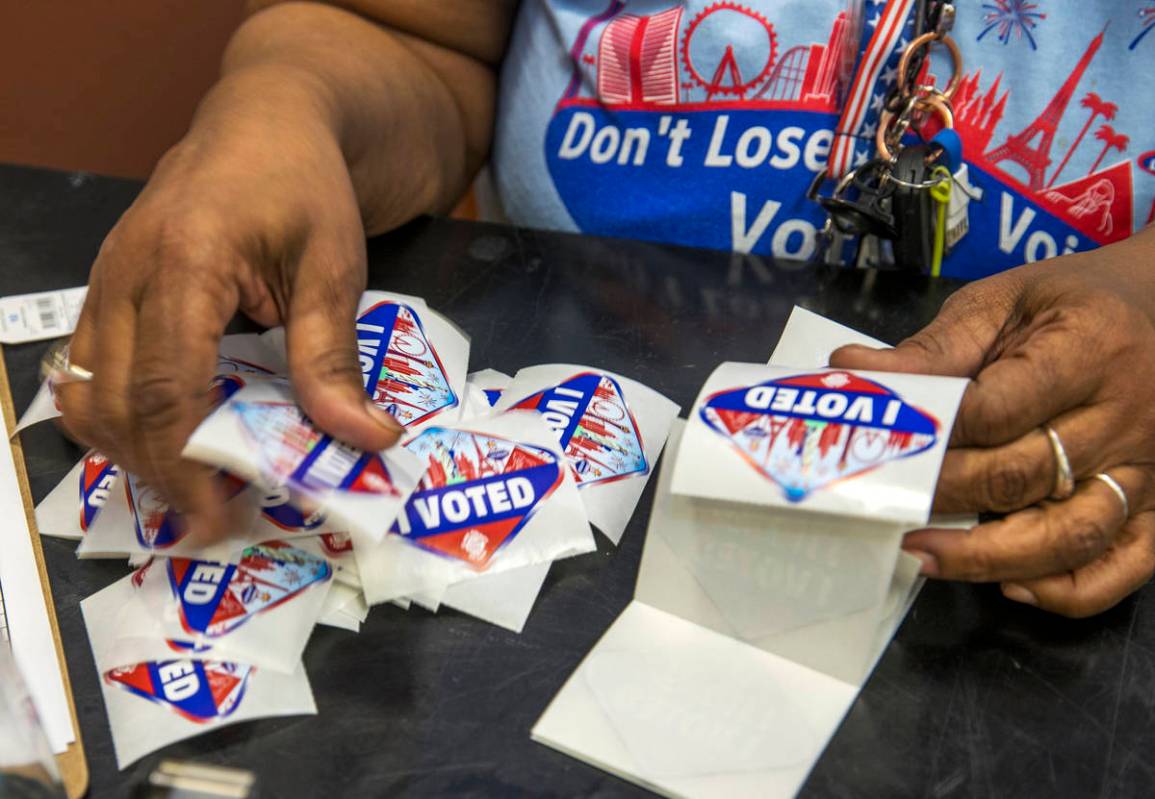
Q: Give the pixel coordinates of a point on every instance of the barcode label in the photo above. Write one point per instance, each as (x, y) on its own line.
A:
(47, 314)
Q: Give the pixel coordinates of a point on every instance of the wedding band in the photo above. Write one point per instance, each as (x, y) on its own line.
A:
(58, 368)
(1064, 478)
(1113, 484)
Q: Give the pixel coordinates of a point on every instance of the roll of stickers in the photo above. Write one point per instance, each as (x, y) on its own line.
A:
(482, 391)
(611, 429)
(497, 495)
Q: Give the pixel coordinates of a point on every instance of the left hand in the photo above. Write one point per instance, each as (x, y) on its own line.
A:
(1068, 343)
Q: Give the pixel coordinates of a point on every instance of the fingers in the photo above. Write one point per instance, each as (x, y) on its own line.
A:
(322, 347)
(955, 343)
(181, 318)
(1032, 543)
(1019, 474)
(1028, 384)
(1101, 584)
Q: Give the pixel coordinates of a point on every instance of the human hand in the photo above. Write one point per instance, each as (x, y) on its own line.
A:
(253, 216)
(1067, 344)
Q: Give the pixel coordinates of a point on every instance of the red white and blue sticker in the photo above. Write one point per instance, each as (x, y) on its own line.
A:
(97, 477)
(399, 365)
(201, 691)
(295, 452)
(478, 493)
(216, 598)
(278, 509)
(153, 523)
(809, 431)
(594, 425)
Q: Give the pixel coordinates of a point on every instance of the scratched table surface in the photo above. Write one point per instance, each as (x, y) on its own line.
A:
(975, 697)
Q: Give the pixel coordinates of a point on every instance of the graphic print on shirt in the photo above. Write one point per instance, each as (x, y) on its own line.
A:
(808, 431)
(701, 125)
(702, 122)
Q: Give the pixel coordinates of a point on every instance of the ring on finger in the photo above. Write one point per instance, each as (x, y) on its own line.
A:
(1113, 484)
(1064, 477)
(57, 366)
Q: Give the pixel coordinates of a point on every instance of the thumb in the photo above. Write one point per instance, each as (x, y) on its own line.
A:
(321, 343)
(955, 343)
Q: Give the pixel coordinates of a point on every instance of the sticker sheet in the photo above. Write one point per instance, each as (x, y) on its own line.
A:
(171, 695)
(611, 428)
(263, 436)
(496, 495)
(413, 359)
(862, 444)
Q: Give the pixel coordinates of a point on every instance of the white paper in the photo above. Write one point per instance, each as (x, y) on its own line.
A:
(873, 467)
(41, 409)
(472, 471)
(261, 436)
(26, 615)
(612, 429)
(504, 599)
(39, 316)
(808, 340)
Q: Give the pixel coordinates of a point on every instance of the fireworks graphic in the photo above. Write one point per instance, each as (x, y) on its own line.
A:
(1147, 21)
(1009, 18)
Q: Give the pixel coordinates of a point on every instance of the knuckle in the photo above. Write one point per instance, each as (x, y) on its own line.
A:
(159, 402)
(1007, 485)
(1082, 540)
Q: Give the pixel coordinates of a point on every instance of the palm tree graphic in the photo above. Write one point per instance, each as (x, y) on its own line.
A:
(1110, 138)
(1099, 108)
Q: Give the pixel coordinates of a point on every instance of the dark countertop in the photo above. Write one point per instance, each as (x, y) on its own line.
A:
(975, 697)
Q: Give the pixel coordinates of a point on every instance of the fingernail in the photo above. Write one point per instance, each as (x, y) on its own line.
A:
(384, 419)
(1016, 593)
(929, 562)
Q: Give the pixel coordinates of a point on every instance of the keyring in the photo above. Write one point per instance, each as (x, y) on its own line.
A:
(955, 58)
(940, 107)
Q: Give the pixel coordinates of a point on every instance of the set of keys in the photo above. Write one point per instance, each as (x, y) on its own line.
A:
(911, 195)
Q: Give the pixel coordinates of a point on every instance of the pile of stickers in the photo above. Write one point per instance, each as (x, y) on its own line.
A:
(495, 478)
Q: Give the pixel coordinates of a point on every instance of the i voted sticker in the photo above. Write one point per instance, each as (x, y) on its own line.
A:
(399, 365)
(216, 598)
(293, 451)
(594, 425)
(809, 431)
(200, 691)
(97, 477)
(478, 493)
(155, 527)
(277, 508)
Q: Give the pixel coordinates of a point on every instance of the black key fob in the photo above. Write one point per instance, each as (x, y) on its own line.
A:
(913, 209)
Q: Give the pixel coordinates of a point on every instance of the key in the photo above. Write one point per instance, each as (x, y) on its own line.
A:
(913, 208)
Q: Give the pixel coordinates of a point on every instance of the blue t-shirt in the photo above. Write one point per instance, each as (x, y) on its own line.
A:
(703, 122)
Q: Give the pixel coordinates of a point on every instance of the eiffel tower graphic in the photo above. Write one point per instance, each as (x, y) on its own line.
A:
(1022, 148)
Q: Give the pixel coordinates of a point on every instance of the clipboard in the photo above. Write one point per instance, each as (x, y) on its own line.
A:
(72, 764)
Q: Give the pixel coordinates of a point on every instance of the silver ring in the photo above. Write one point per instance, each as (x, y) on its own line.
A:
(57, 368)
(1064, 478)
(1113, 484)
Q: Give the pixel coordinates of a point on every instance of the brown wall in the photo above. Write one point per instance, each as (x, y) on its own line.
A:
(105, 86)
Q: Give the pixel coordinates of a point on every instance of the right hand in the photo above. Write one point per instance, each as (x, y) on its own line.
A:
(252, 216)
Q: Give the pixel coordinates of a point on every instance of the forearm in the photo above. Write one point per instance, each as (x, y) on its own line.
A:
(412, 118)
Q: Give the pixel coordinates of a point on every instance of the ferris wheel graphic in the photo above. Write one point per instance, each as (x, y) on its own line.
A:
(728, 49)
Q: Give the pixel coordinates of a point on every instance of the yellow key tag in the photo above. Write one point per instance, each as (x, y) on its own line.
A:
(940, 193)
